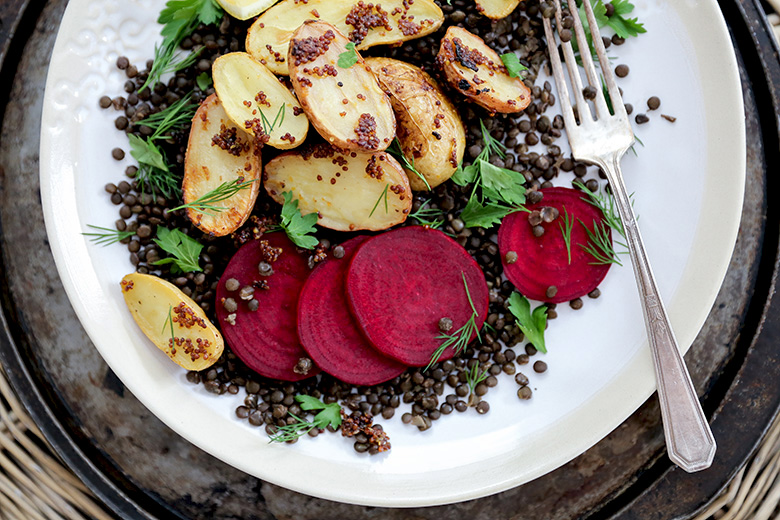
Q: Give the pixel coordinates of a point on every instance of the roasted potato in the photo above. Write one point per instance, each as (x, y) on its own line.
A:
(475, 70)
(245, 9)
(345, 105)
(258, 102)
(497, 9)
(367, 24)
(172, 321)
(349, 191)
(219, 154)
(429, 128)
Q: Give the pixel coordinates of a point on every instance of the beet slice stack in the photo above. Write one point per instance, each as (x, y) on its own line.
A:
(543, 262)
(329, 333)
(266, 339)
(401, 283)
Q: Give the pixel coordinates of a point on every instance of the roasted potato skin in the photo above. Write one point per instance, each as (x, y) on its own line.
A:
(497, 9)
(476, 71)
(207, 165)
(430, 129)
(347, 190)
(346, 105)
(269, 36)
(246, 87)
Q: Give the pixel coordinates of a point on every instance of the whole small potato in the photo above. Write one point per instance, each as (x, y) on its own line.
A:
(429, 128)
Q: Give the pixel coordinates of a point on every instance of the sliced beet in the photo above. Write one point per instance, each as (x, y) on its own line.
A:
(266, 339)
(400, 284)
(543, 262)
(328, 331)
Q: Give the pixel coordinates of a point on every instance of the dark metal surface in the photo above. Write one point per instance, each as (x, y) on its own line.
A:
(141, 469)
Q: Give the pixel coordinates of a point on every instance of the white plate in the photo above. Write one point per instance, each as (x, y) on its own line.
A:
(688, 180)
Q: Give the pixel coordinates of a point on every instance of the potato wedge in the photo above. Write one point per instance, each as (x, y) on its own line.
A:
(429, 128)
(345, 105)
(269, 37)
(475, 70)
(218, 155)
(497, 9)
(257, 101)
(172, 321)
(245, 9)
(349, 191)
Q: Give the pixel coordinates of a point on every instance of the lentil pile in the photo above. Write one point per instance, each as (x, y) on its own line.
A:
(419, 396)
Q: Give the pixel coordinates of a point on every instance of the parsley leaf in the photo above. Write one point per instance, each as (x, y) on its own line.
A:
(329, 416)
(185, 250)
(476, 214)
(624, 27)
(204, 81)
(502, 184)
(298, 227)
(512, 64)
(531, 324)
(146, 152)
(464, 176)
(348, 57)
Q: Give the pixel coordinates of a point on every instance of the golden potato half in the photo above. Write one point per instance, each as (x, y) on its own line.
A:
(429, 129)
(365, 23)
(497, 9)
(219, 154)
(345, 104)
(477, 72)
(172, 321)
(349, 191)
(257, 101)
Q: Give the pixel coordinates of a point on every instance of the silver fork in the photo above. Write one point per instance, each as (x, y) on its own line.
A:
(602, 141)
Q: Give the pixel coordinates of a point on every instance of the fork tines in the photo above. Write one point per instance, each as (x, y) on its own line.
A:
(600, 102)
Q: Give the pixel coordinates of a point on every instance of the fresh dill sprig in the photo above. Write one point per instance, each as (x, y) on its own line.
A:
(460, 339)
(206, 203)
(599, 244)
(172, 119)
(606, 203)
(169, 321)
(381, 196)
(428, 217)
(268, 127)
(475, 376)
(397, 152)
(166, 182)
(329, 415)
(566, 226)
(108, 236)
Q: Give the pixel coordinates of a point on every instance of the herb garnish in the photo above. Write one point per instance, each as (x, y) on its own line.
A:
(381, 196)
(175, 118)
(185, 250)
(203, 81)
(512, 64)
(566, 227)
(599, 244)
(397, 152)
(109, 236)
(299, 228)
(206, 203)
(425, 215)
(349, 57)
(169, 320)
(475, 376)
(460, 339)
(532, 324)
(179, 19)
(268, 127)
(623, 27)
(502, 190)
(606, 203)
(329, 415)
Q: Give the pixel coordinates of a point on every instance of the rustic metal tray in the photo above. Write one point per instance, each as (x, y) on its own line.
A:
(141, 469)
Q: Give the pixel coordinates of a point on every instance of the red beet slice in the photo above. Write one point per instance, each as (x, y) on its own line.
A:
(266, 339)
(401, 283)
(328, 331)
(543, 261)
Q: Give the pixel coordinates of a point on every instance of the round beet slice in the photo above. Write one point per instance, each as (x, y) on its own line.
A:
(400, 284)
(543, 262)
(328, 331)
(265, 339)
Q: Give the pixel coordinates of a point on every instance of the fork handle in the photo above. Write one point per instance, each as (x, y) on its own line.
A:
(689, 440)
